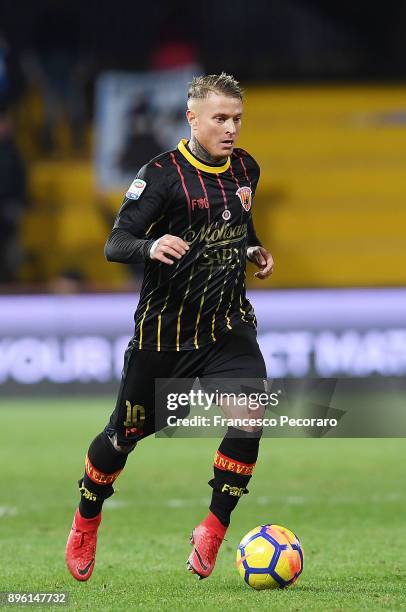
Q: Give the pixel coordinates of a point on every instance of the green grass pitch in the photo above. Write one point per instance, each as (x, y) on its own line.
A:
(345, 499)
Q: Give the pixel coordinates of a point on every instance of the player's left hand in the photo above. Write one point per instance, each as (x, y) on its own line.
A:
(263, 259)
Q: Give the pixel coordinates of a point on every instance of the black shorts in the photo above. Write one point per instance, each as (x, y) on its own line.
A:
(235, 355)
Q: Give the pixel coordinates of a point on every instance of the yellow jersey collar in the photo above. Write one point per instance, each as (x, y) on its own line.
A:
(197, 163)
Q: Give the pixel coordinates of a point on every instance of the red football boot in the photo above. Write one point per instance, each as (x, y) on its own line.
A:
(81, 546)
(206, 540)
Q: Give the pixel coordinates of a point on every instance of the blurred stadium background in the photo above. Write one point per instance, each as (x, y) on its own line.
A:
(89, 91)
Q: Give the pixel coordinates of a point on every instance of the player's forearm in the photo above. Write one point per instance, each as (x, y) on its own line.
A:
(123, 247)
(253, 239)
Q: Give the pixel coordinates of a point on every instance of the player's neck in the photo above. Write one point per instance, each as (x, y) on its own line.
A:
(200, 152)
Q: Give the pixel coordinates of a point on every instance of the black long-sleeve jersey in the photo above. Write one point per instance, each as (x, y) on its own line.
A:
(191, 303)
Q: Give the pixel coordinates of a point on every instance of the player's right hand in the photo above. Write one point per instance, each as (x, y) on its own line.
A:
(168, 245)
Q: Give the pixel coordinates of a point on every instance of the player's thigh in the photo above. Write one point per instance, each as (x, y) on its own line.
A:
(236, 355)
(135, 415)
(236, 373)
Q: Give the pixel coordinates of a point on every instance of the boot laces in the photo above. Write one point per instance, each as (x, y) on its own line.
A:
(210, 545)
(86, 542)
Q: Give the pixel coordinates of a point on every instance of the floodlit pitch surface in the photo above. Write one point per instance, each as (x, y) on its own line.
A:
(344, 498)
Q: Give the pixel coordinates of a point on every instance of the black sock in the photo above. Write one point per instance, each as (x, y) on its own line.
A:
(234, 463)
(103, 465)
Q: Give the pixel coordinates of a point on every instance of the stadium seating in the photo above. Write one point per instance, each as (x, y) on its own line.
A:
(331, 200)
(330, 205)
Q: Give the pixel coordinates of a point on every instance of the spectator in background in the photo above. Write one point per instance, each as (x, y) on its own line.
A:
(175, 47)
(141, 142)
(11, 76)
(12, 203)
(60, 67)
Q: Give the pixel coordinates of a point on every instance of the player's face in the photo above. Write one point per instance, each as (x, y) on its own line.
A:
(216, 122)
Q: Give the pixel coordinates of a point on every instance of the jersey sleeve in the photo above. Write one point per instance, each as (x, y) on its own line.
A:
(145, 201)
(253, 239)
(255, 175)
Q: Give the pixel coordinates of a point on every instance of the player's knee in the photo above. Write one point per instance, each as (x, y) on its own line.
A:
(251, 429)
(245, 431)
(119, 446)
(246, 437)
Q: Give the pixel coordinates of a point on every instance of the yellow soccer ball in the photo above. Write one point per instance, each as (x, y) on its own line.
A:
(270, 557)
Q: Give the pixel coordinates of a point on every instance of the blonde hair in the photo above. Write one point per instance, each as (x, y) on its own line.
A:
(223, 83)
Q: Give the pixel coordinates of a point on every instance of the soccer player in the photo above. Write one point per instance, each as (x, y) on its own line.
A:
(188, 216)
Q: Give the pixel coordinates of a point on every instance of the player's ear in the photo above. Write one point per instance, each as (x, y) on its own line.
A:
(191, 117)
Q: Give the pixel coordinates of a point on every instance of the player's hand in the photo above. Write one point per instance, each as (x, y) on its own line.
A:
(168, 245)
(262, 259)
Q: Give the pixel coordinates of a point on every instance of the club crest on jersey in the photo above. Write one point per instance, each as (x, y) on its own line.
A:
(136, 188)
(245, 195)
